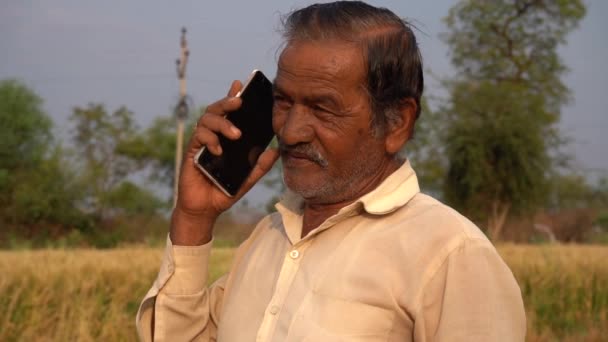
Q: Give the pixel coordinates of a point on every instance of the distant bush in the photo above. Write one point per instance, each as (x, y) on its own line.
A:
(127, 229)
(602, 221)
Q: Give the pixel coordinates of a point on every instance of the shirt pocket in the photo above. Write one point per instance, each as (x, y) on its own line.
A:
(326, 318)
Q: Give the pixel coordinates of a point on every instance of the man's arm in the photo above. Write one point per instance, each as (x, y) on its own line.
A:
(179, 306)
(472, 296)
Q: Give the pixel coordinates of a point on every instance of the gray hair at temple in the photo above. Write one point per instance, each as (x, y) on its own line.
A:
(394, 63)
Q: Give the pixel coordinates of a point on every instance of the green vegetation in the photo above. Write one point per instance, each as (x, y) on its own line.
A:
(501, 136)
(36, 186)
(565, 289)
(78, 196)
(491, 148)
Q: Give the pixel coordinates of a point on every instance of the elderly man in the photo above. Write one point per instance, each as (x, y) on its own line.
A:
(355, 251)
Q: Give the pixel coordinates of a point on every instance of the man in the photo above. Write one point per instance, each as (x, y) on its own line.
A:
(355, 252)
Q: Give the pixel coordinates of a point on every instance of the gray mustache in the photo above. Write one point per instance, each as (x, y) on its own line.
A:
(307, 150)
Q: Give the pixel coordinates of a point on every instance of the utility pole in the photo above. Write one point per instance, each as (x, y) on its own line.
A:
(181, 110)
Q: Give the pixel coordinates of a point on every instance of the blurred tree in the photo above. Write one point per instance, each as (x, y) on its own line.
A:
(600, 193)
(127, 198)
(425, 150)
(501, 139)
(154, 148)
(46, 194)
(24, 127)
(104, 170)
(36, 187)
(569, 191)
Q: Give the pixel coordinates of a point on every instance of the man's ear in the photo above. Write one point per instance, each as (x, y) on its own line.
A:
(401, 130)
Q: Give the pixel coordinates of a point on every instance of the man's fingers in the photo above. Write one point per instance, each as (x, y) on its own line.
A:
(224, 106)
(265, 162)
(229, 103)
(217, 123)
(205, 137)
(235, 87)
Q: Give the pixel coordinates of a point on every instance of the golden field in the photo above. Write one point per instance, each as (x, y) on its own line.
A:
(93, 295)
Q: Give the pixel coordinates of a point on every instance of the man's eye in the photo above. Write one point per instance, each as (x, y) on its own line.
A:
(320, 109)
(279, 98)
(281, 101)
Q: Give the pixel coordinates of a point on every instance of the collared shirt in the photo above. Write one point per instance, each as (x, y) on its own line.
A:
(396, 265)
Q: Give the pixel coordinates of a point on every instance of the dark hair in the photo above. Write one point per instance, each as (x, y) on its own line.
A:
(394, 63)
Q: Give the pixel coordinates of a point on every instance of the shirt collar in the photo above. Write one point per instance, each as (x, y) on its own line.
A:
(394, 192)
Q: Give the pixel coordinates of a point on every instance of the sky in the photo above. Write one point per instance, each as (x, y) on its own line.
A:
(118, 53)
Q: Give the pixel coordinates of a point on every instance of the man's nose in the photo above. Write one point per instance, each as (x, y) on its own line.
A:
(296, 127)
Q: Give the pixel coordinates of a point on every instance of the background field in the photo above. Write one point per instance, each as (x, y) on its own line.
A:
(93, 295)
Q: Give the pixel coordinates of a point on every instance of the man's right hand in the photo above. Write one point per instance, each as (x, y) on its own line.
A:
(200, 202)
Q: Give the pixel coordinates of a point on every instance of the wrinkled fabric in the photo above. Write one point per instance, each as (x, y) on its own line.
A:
(396, 265)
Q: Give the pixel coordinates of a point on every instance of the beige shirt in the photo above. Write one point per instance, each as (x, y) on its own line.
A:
(396, 265)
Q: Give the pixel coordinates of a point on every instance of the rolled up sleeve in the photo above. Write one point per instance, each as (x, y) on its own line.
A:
(180, 306)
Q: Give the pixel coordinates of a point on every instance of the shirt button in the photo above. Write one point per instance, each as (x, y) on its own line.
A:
(294, 254)
(274, 310)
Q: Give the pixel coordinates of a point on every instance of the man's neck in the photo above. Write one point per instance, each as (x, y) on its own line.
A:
(316, 213)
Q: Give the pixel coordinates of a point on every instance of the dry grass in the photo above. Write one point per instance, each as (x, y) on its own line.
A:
(565, 290)
(78, 295)
(92, 295)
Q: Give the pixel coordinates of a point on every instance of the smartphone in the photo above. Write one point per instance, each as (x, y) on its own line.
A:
(254, 118)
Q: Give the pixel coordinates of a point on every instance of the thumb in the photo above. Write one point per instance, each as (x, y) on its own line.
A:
(265, 162)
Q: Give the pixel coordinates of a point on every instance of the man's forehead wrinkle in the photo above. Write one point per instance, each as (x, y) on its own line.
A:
(323, 85)
(321, 73)
(337, 64)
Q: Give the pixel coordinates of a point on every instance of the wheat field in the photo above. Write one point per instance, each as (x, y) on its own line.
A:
(93, 295)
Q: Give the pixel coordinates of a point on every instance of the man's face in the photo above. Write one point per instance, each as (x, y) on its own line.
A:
(322, 118)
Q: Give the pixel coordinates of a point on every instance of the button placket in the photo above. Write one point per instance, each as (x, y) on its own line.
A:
(294, 254)
(288, 271)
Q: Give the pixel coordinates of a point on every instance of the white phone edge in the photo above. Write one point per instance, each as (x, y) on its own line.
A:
(208, 175)
(251, 75)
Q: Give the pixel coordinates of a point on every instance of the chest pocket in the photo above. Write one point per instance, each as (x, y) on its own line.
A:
(328, 319)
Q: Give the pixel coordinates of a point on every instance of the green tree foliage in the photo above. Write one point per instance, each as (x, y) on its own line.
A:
(36, 188)
(46, 194)
(425, 150)
(24, 127)
(501, 139)
(514, 41)
(154, 148)
(99, 137)
(600, 193)
(87, 195)
(570, 191)
(127, 198)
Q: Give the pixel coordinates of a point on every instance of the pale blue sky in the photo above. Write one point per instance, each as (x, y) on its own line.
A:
(123, 53)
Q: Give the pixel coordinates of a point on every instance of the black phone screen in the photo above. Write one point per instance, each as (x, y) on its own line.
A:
(254, 119)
